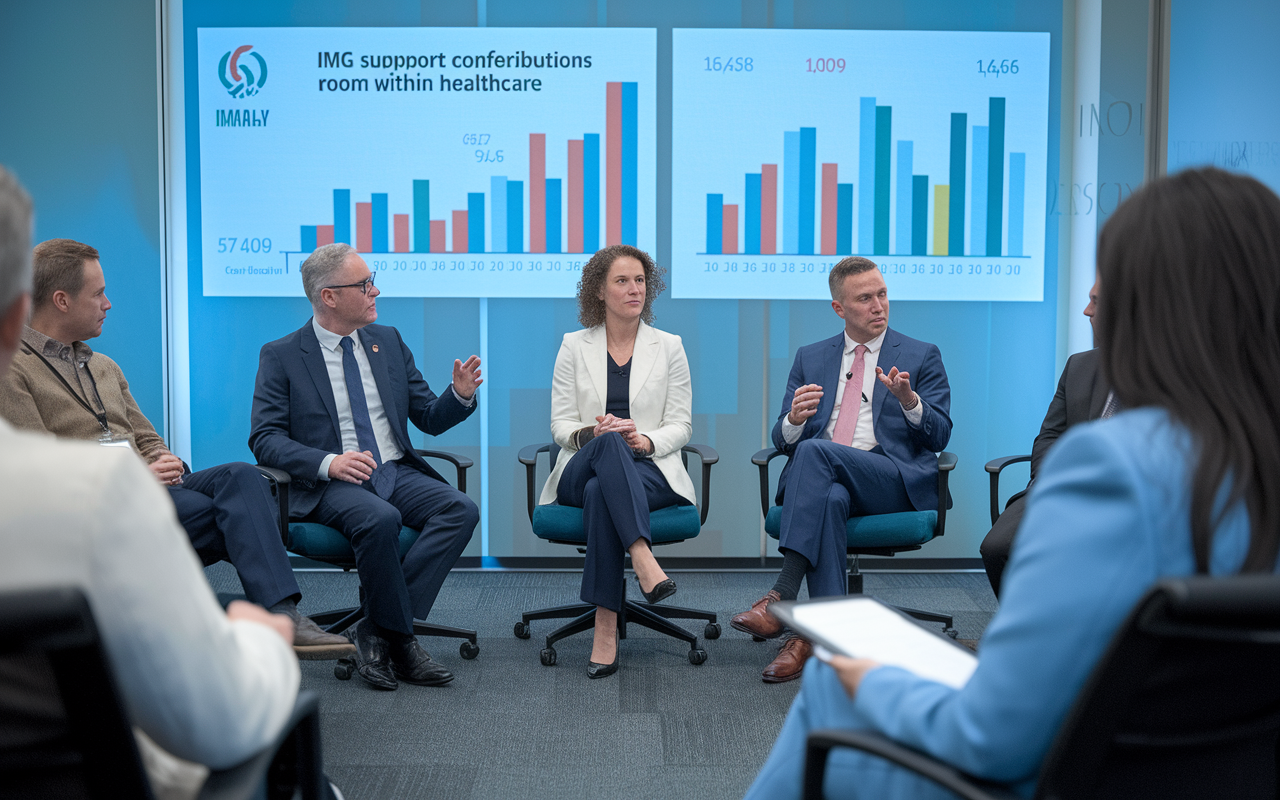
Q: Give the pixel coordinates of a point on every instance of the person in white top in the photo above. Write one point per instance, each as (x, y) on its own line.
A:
(208, 687)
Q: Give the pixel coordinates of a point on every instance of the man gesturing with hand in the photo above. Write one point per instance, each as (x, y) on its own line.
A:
(331, 407)
(861, 441)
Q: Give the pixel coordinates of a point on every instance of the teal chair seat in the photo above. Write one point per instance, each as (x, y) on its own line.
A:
(904, 529)
(563, 524)
(322, 543)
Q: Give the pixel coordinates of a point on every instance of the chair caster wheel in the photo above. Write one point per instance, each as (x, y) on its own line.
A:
(468, 649)
(548, 657)
(522, 630)
(757, 638)
(952, 632)
(697, 656)
(712, 631)
(343, 669)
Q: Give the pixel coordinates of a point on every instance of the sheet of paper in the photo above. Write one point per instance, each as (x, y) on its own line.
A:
(863, 628)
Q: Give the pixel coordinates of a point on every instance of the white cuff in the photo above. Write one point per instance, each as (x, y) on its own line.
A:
(468, 403)
(915, 414)
(791, 433)
(324, 466)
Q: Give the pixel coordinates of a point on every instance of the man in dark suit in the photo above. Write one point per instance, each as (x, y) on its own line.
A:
(864, 445)
(1083, 395)
(330, 407)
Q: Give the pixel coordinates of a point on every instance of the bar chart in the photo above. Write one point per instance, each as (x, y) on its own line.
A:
(448, 190)
(932, 164)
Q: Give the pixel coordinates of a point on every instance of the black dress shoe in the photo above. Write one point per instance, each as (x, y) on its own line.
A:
(411, 664)
(595, 670)
(373, 658)
(660, 592)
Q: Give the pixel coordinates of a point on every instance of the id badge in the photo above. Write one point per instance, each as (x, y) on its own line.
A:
(109, 439)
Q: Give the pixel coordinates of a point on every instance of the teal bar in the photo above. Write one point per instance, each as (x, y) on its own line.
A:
(844, 219)
(919, 214)
(995, 174)
(422, 216)
(955, 218)
(884, 148)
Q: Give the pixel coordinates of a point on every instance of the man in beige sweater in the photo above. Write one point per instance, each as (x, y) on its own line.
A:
(58, 384)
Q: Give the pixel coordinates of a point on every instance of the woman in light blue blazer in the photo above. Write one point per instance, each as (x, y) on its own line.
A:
(1183, 483)
(621, 409)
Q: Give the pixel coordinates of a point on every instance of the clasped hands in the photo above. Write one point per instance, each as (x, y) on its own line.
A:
(168, 469)
(804, 403)
(627, 427)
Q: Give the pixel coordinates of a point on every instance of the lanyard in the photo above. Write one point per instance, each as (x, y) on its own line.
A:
(101, 416)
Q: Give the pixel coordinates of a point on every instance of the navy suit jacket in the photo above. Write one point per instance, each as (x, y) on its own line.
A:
(911, 449)
(295, 419)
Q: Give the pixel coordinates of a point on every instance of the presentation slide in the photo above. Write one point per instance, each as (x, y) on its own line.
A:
(460, 162)
(924, 151)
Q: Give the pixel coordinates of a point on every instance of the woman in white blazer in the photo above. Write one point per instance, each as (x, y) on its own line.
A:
(621, 409)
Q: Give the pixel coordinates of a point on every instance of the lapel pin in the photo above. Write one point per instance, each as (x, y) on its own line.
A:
(375, 348)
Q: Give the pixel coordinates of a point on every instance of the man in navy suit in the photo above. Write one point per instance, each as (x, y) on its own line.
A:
(864, 444)
(330, 407)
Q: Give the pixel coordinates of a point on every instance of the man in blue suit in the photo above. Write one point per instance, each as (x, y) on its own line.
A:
(330, 407)
(864, 445)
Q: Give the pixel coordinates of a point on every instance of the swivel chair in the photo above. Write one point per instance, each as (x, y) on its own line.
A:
(994, 467)
(563, 525)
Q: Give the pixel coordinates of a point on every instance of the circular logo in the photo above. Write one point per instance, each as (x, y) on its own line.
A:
(240, 77)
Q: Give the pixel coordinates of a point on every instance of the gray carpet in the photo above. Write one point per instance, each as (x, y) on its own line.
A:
(509, 727)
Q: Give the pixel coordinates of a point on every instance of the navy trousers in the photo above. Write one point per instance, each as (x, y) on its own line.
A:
(229, 515)
(397, 592)
(827, 484)
(616, 491)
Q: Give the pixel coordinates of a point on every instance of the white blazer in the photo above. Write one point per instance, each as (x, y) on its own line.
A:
(661, 399)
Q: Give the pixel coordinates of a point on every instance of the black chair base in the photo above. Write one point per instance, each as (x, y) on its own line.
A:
(341, 619)
(653, 616)
(855, 587)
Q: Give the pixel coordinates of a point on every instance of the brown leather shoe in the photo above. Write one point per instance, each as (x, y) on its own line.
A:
(789, 662)
(312, 643)
(758, 621)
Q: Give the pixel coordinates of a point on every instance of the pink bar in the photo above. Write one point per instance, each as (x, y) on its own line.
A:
(364, 227)
(401, 224)
(613, 163)
(575, 196)
(324, 235)
(829, 194)
(437, 236)
(768, 209)
(459, 231)
(729, 230)
(537, 193)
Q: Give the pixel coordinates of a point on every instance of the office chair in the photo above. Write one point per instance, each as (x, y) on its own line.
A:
(874, 535)
(97, 756)
(994, 467)
(563, 525)
(322, 543)
(1184, 704)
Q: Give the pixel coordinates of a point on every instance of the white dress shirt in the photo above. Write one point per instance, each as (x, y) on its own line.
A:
(864, 436)
(331, 345)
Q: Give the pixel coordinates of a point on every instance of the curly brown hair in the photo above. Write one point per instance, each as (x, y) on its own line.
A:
(594, 273)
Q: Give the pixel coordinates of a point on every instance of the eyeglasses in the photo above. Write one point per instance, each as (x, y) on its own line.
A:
(363, 285)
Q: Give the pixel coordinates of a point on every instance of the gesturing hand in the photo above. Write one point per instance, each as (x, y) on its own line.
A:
(900, 384)
(353, 467)
(466, 377)
(167, 469)
(804, 403)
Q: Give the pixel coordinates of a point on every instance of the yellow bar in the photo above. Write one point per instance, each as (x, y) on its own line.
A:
(941, 215)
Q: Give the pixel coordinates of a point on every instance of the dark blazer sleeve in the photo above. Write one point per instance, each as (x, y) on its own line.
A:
(270, 429)
(794, 381)
(935, 396)
(430, 413)
(1054, 425)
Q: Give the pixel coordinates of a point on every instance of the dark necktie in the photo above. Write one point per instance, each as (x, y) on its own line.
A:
(384, 477)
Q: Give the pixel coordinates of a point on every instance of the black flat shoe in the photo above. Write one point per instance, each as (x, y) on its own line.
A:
(595, 670)
(660, 592)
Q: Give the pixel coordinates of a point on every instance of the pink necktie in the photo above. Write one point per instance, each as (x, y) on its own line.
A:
(851, 403)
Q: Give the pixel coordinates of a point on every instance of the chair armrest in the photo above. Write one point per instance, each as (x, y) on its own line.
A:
(995, 466)
(461, 463)
(279, 480)
(528, 456)
(297, 748)
(946, 463)
(761, 459)
(708, 456)
(821, 742)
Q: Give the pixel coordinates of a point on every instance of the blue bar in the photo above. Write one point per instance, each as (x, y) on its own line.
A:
(844, 219)
(422, 216)
(995, 174)
(1017, 191)
(342, 216)
(498, 214)
(866, 174)
(751, 214)
(715, 223)
(380, 223)
(978, 201)
(308, 238)
(808, 177)
(590, 193)
(919, 214)
(955, 215)
(791, 192)
(515, 216)
(475, 222)
(902, 229)
(630, 165)
(884, 143)
(553, 215)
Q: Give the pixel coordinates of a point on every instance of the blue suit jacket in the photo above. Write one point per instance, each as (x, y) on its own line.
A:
(295, 419)
(911, 449)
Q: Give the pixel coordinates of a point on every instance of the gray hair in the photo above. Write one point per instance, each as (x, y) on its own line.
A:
(15, 240)
(319, 267)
